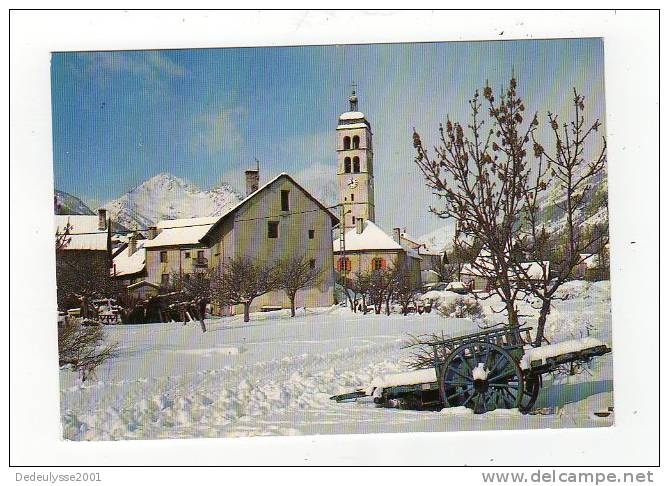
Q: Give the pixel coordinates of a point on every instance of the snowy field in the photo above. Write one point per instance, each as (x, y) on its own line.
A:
(274, 376)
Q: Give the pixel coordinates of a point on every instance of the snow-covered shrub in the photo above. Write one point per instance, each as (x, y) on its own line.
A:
(581, 289)
(462, 307)
(82, 347)
(437, 298)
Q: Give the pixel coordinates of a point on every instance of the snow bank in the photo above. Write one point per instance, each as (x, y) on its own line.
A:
(581, 289)
(442, 298)
(552, 350)
(456, 411)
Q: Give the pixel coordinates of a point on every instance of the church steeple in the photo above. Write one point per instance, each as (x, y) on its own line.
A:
(355, 171)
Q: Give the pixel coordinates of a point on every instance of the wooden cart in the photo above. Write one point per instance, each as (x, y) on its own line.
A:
(482, 371)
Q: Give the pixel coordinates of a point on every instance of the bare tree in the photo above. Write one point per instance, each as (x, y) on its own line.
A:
(295, 274)
(82, 276)
(382, 283)
(63, 238)
(190, 295)
(241, 280)
(446, 270)
(356, 287)
(83, 348)
(79, 279)
(478, 171)
(571, 169)
(403, 290)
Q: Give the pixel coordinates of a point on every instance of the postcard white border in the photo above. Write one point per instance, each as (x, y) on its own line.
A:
(632, 93)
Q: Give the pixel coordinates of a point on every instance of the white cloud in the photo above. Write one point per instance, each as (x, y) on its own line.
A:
(217, 130)
(147, 65)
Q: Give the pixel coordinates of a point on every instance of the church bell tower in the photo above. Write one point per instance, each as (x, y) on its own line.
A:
(355, 174)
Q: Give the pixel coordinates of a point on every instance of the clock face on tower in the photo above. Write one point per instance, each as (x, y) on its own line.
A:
(352, 183)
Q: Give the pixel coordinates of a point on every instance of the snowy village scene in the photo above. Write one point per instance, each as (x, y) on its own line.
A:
(338, 239)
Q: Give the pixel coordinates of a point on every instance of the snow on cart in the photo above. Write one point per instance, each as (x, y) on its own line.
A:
(484, 371)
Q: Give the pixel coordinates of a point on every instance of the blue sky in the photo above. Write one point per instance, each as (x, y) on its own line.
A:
(206, 114)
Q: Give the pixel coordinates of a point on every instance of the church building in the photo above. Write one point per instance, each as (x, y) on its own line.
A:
(361, 245)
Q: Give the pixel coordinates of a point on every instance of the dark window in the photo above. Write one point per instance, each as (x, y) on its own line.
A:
(200, 254)
(347, 165)
(356, 142)
(284, 201)
(378, 264)
(272, 229)
(356, 164)
(352, 219)
(352, 197)
(165, 279)
(312, 263)
(187, 277)
(347, 143)
(187, 254)
(163, 257)
(311, 234)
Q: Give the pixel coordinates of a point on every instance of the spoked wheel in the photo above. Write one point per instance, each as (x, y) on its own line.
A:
(481, 376)
(530, 392)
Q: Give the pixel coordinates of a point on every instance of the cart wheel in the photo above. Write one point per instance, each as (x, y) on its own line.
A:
(481, 376)
(531, 392)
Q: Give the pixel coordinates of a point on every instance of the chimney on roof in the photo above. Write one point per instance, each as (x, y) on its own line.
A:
(252, 179)
(132, 243)
(397, 236)
(359, 226)
(153, 232)
(102, 219)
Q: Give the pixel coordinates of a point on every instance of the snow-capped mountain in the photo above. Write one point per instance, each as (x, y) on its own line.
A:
(165, 196)
(439, 240)
(68, 204)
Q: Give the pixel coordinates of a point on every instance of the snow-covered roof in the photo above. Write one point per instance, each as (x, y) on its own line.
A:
(371, 238)
(185, 222)
(125, 264)
(407, 236)
(84, 232)
(187, 231)
(142, 283)
(423, 250)
(419, 246)
(424, 274)
(468, 269)
(534, 270)
(352, 115)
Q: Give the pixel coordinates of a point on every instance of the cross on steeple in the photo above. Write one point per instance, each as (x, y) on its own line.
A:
(353, 99)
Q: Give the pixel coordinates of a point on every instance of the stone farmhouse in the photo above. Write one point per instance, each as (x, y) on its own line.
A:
(277, 220)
